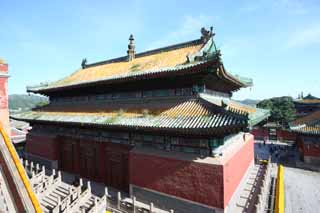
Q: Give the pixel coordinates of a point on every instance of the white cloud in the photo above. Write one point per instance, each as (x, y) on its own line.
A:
(305, 37)
(189, 28)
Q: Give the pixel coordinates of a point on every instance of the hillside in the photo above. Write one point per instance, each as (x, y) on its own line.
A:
(250, 102)
(18, 102)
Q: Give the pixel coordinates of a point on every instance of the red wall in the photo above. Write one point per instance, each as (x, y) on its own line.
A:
(311, 150)
(236, 167)
(212, 185)
(4, 111)
(4, 68)
(198, 182)
(286, 135)
(43, 146)
(260, 133)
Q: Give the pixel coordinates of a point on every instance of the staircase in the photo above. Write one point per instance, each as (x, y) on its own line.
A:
(56, 196)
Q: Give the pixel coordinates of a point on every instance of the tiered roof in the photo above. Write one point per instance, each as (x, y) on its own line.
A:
(309, 124)
(200, 112)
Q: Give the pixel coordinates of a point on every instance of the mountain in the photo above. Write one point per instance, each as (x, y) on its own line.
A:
(18, 102)
(250, 102)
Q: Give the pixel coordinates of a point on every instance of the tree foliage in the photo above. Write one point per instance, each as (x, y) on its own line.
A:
(281, 108)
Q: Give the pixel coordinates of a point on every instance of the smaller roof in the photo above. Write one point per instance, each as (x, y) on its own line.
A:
(309, 124)
(310, 120)
(199, 113)
(191, 114)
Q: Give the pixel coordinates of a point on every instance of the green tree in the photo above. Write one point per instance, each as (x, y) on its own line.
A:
(282, 109)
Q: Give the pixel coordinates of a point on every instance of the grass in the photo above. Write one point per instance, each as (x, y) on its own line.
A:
(135, 67)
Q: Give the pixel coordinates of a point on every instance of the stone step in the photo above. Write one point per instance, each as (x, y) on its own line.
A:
(48, 204)
(58, 193)
(54, 196)
(62, 191)
(64, 186)
(44, 208)
(52, 199)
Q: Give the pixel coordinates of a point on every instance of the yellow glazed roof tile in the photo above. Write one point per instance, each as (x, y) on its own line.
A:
(158, 60)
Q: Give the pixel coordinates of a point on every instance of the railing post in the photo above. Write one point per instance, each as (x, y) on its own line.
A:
(134, 204)
(106, 193)
(59, 176)
(118, 200)
(257, 208)
(89, 186)
(59, 203)
(53, 172)
(151, 207)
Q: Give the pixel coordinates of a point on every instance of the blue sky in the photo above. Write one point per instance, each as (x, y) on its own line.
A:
(275, 42)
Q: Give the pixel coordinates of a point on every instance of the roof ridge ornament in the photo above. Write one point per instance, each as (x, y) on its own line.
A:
(206, 34)
(131, 48)
(84, 63)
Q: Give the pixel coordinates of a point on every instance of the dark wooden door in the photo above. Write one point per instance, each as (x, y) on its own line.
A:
(117, 169)
(67, 155)
(89, 160)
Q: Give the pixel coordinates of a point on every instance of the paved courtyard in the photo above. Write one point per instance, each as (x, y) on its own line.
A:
(302, 190)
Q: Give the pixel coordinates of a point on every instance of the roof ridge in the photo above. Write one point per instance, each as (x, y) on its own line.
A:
(147, 52)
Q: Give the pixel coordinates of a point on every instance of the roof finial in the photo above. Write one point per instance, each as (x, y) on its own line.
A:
(206, 34)
(84, 63)
(131, 48)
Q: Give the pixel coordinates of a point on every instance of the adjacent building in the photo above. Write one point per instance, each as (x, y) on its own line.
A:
(159, 124)
(306, 105)
(307, 129)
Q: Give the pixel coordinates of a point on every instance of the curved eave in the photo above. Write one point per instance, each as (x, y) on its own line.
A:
(198, 67)
(196, 131)
(235, 80)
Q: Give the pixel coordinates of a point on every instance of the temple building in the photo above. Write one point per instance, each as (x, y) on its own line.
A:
(306, 105)
(160, 125)
(307, 129)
